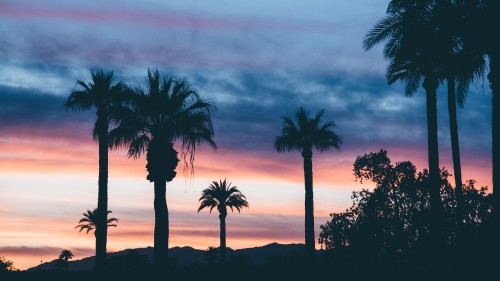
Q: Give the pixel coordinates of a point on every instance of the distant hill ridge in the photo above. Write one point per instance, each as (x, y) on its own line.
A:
(188, 255)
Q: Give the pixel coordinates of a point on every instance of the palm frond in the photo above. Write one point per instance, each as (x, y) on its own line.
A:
(305, 133)
(168, 110)
(221, 195)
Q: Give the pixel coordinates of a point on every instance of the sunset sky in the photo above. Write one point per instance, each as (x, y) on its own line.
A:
(257, 61)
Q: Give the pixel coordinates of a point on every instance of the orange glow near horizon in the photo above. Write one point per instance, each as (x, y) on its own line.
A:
(55, 180)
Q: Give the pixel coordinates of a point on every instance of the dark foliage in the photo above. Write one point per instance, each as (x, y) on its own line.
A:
(6, 265)
(389, 226)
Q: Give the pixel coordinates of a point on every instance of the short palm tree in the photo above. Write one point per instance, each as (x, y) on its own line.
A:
(304, 134)
(63, 260)
(89, 221)
(169, 110)
(222, 195)
(100, 94)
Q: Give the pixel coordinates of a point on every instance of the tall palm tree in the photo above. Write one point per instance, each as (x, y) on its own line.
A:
(101, 94)
(463, 64)
(482, 34)
(222, 195)
(416, 57)
(304, 134)
(89, 221)
(493, 52)
(425, 42)
(483, 30)
(169, 110)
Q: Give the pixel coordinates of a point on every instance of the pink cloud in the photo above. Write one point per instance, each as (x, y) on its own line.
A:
(154, 18)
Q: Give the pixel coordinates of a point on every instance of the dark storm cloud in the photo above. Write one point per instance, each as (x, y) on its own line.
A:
(367, 112)
(251, 106)
(29, 110)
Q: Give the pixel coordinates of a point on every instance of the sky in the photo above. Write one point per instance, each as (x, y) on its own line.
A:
(258, 61)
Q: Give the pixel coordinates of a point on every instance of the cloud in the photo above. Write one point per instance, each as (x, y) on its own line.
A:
(369, 115)
(41, 251)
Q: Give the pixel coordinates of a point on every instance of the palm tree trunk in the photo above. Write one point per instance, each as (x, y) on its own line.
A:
(493, 51)
(160, 254)
(222, 234)
(494, 79)
(309, 202)
(102, 197)
(430, 85)
(455, 150)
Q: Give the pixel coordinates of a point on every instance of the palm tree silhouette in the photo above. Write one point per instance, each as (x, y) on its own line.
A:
(493, 51)
(222, 195)
(64, 257)
(171, 110)
(482, 32)
(416, 57)
(304, 135)
(101, 94)
(89, 221)
(463, 63)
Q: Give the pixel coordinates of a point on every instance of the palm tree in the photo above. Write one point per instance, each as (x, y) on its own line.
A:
(483, 22)
(425, 43)
(493, 52)
(462, 65)
(222, 195)
(169, 110)
(416, 57)
(63, 260)
(304, 134)
(101, 94)
(483, 25)
(89, 221)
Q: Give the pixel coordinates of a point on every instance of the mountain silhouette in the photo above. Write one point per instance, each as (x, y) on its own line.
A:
(187, 256)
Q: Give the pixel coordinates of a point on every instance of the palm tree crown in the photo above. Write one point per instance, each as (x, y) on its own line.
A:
(100, 94)
(66, 255)
(307, 133)
(222, 195)
(89, 221)
(171, 110)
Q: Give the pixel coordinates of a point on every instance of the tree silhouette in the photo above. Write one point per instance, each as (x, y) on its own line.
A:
(89, 221)
(63, 260)
(169, 110)
(101, 94)
(416, 57)
(463, 63)
(482, 34)
(222, 195)
(6, 265)
(391, 222)
(304, 134)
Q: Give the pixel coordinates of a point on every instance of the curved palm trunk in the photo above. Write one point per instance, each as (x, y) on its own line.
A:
(455, 150)
(222, 234)
(101, 231)
(430, 85)
(309, 202)
(160, 253)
